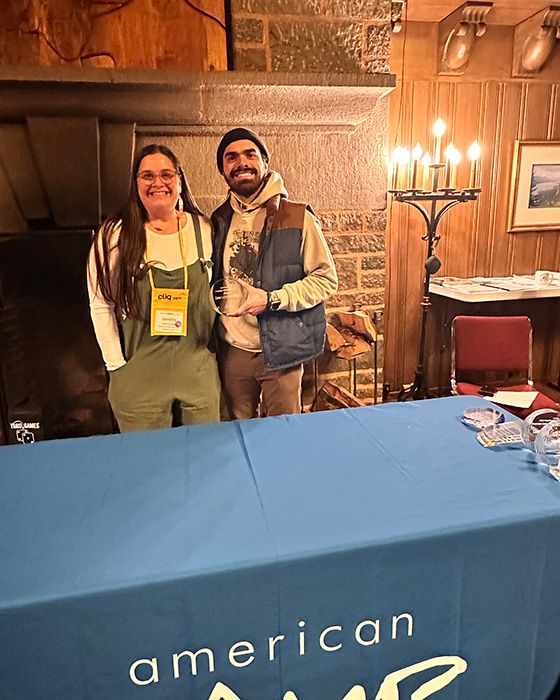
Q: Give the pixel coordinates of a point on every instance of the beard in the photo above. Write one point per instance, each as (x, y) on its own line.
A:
(245, 187)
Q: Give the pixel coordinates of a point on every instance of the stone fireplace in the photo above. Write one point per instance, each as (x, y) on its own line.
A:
(67, 140)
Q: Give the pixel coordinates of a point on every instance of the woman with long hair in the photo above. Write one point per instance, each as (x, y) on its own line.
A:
(148, 284)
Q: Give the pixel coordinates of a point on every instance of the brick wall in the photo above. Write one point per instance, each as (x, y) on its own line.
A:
(331, 36)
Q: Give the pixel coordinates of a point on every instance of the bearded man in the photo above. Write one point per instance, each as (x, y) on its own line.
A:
(276, 249)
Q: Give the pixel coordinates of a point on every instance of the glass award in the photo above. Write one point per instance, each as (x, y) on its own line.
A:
(508, 433)
(482, 417)
(228, 296)
(534, 423)
(547, 444)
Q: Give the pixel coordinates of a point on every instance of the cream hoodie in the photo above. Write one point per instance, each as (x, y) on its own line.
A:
(240, 255)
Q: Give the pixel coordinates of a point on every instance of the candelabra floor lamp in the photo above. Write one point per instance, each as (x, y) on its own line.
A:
(432, 205)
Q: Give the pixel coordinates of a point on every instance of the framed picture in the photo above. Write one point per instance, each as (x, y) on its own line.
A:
(535, 187)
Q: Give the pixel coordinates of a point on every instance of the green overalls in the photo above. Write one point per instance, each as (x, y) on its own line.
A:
(163, 369)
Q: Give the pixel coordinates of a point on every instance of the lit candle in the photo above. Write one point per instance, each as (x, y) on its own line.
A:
(474, 155)
(416, 155)
(454, 157)
(439, 130)
(405, 157)
(401, 157)
(448, 164)
(426, 160)
(395, 158)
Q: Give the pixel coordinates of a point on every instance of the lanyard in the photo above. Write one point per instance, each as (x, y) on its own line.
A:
(183, 257)
(169, 307)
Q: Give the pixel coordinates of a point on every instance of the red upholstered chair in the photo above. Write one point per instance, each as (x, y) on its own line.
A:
(499, 347)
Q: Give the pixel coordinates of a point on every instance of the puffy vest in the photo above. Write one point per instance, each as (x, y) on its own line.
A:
(287, 337)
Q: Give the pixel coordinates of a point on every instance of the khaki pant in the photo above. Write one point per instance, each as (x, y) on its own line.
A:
(244, 381)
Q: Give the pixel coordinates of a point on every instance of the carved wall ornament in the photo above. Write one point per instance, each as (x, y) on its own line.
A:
(458, 33)
(397, 10)
(534, 41)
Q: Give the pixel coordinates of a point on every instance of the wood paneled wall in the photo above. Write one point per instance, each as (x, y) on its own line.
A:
(171, 34)
(486, 104)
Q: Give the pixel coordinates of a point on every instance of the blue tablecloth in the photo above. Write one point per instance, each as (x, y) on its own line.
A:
(292, 558)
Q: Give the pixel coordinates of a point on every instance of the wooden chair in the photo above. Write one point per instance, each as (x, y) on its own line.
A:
(496, 351)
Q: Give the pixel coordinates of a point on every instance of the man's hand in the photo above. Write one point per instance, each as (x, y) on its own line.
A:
(255, 302)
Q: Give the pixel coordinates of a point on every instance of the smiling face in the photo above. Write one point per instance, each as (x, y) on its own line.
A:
(158, 185)
(244, 167)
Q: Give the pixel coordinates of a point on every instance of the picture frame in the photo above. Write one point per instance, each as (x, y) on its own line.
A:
(535, 187)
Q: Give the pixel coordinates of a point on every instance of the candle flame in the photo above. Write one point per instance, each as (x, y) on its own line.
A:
(396, 154)
(455, 156)
(439, 127)
(474, 151)
(417, 152)
(426, 160)
(401, 155)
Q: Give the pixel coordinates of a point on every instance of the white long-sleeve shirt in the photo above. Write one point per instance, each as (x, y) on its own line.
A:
(166, 250)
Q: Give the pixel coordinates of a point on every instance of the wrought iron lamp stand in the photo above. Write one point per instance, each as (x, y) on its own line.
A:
(447, 197)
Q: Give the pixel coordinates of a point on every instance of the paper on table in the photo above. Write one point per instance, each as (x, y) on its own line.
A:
(508, 283)
(469, 287)
(520, 399)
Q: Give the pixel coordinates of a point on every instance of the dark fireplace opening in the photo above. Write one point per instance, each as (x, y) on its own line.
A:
(52, 377)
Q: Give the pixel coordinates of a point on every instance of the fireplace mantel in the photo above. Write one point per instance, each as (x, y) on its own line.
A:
(55, 120)
(214, 98)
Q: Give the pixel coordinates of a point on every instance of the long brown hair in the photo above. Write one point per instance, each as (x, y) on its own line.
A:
(118, 286)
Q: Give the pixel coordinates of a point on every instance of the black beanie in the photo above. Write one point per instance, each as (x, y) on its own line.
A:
(239, 134)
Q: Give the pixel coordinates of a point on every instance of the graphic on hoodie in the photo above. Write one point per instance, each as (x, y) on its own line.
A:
(244, 248)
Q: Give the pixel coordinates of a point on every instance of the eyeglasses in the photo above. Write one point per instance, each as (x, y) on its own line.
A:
(166, 176)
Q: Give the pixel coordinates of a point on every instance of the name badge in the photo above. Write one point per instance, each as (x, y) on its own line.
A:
(169, 311)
